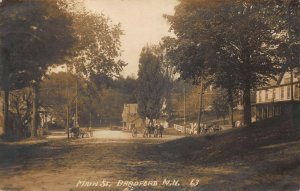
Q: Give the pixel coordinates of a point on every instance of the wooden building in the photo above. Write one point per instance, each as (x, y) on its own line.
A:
(130, 116)
(282, 96)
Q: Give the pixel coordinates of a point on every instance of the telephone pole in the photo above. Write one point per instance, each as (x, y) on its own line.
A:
(184, 120)
(68, 123)
(76, 107)
(90, 119)
(200, 106)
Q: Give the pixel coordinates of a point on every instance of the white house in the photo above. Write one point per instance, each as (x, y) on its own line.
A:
(279, 97)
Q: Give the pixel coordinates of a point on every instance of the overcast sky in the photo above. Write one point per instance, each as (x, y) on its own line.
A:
(142, 22)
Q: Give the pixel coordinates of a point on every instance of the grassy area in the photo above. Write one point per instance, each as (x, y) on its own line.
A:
(265, 156)
(208, 117)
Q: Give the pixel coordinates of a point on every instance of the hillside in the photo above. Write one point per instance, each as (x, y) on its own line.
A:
(263, 157)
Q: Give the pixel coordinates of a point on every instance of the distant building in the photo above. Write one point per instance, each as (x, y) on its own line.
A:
(130, 116)
(277, 99)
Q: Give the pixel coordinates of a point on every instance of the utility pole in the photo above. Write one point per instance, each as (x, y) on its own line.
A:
(184, 120)
(76, 108)
(200, 106)
(90, 119)
(68, 124)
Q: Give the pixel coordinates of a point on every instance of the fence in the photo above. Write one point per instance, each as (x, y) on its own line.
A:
(179, 128)
(205, 128)
(191, 128)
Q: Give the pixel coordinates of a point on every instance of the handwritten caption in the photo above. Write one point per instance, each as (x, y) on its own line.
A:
(138, 183)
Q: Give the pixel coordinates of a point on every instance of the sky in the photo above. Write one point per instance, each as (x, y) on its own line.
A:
(142, 23)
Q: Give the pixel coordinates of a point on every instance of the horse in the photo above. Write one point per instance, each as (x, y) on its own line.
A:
(75, 132)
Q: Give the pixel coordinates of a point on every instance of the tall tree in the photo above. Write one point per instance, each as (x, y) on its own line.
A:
(168, 70)
(289, 22)
(34, 35)
(97, 52)
(237, 31)
(150, 85)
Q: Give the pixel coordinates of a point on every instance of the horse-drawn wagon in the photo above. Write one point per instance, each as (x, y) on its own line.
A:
(81, 132)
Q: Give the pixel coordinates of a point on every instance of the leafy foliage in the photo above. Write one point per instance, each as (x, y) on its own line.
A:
(58, 92)
(21, 108)
(230, 43)
(97, 50)
(221, 105)
(150, 85)
(34, 35)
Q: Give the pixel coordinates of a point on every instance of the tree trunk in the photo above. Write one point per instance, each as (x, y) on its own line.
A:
(34, 122)
(6, 129)
(231, 115)
(230, 96)
(247, 106)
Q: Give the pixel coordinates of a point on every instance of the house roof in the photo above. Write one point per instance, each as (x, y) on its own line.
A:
(277, 82)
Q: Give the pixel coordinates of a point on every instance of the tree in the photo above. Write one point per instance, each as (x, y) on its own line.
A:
(150, 85)
(21, 108)
(183, 91)
(168, 70)
(235, 32)
(97, 52)
(58, 93)
(96, 55)
(34, 35)
(220, 105)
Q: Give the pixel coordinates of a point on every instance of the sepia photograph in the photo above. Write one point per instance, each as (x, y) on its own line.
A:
(149, 95)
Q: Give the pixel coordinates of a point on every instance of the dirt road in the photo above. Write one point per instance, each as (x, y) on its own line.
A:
(243, 159)
(61, 164)
(105, 134)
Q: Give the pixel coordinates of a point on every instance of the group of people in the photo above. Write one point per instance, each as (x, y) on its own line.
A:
(156, 130)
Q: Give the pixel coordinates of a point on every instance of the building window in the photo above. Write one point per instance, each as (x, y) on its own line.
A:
(282, 92)
(259, 96)
(266, 95)
(288, 92)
